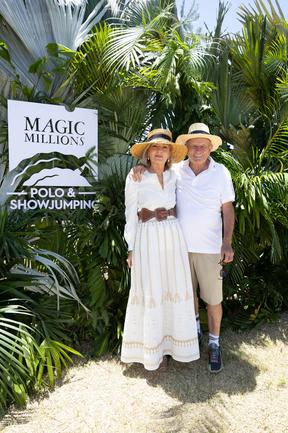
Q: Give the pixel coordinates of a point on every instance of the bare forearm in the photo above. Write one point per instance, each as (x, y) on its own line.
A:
(227, 253)
(228, 222)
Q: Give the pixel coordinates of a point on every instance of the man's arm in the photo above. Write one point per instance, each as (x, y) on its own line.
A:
(137, 171)
(228, 216)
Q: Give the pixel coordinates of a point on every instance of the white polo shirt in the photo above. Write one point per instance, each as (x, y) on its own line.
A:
(199, 201)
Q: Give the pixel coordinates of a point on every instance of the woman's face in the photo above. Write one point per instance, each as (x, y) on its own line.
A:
(159, 153)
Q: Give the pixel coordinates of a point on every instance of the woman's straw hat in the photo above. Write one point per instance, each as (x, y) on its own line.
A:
(178, 151)
(200, 130)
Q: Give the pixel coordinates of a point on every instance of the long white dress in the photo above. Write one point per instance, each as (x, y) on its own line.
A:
(160, 318)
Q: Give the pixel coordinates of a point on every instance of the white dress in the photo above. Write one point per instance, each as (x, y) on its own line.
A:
(160, 318)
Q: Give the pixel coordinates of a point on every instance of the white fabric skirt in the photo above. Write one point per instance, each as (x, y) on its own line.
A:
(160, 318)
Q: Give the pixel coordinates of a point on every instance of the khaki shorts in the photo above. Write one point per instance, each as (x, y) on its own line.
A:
(205, 272)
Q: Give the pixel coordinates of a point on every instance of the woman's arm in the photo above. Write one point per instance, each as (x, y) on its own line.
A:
(131, 208)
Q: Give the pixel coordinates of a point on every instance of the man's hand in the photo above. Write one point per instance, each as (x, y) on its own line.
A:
(227, 253)
(129, 259)
(137, 172)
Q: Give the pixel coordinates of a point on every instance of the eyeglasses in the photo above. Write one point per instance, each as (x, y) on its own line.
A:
(224, 271)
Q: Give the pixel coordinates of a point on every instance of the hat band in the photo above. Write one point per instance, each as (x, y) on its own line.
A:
(159, 136)
(199, 131)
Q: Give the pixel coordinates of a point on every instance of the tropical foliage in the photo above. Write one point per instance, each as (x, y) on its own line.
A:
(251, 114)
(37, 285)
(140, 66)
(32, 283)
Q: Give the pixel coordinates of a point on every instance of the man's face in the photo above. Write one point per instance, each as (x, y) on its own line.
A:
(199, 149)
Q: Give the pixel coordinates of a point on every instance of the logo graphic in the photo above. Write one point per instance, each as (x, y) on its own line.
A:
(44, 128)
(54, 143)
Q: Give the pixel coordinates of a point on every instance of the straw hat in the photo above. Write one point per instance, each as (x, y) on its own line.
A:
(200, 130)
(178, 151)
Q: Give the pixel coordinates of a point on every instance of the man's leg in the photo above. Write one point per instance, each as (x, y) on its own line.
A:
(214, 315)
(208, 270)
(196, 300)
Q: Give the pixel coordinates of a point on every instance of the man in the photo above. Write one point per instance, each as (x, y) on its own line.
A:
(204, 199)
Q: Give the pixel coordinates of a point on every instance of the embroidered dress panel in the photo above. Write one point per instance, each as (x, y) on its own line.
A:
(160, 315)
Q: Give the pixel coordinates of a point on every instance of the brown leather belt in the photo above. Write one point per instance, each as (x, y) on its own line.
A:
(160, 213)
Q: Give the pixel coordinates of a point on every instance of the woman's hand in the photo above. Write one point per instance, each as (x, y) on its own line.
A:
(129, 259)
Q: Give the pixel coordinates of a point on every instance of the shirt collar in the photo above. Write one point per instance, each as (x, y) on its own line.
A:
(212, 162)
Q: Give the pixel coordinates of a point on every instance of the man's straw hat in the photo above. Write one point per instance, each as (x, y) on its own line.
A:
(178, 150)
(200, 130)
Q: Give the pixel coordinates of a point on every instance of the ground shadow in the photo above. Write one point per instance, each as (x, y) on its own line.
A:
(192, 383)
(193, 386)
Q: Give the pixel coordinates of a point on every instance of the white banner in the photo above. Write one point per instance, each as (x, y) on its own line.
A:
(44, 128)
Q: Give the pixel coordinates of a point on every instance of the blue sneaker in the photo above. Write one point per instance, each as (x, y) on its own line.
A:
(215, 364)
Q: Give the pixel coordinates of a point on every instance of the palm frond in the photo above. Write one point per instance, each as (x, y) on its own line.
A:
(89, 63)
(14, 374)
(29, 26)
(54, 355)
(188, 18)
(126, 48)
(277, 146)
(124, 114)
(48, 273)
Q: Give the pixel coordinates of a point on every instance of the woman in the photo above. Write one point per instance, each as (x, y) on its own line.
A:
(160, 318)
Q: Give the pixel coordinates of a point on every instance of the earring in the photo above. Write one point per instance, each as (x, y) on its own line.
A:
(148, 159)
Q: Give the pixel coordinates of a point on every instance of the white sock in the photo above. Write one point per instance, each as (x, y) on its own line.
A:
(213, 339)
(198, 323)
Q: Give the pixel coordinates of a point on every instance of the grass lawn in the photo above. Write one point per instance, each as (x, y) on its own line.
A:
(104, 396)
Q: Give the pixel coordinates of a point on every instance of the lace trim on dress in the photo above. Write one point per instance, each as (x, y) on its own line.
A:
(180, 343)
